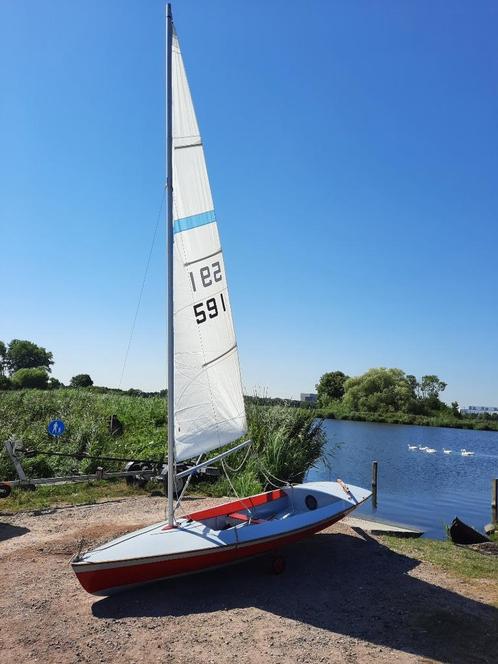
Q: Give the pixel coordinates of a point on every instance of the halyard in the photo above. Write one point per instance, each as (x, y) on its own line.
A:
(344, 597)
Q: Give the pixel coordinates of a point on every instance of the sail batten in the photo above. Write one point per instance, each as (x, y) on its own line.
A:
(209, 406)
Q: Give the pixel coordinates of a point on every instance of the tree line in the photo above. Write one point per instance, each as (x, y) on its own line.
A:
(383, 390)
(24, 364)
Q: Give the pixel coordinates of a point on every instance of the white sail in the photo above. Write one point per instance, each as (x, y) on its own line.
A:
(209, 406)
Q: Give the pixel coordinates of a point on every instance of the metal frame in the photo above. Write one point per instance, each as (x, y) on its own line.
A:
(13, 451)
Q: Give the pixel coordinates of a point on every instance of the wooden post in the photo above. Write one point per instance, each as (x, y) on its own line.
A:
(494, 501)
(375, 468)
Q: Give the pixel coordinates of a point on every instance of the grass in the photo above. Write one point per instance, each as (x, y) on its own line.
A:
(66, 494)
(26, 413)
(287, 441)
(457, 560)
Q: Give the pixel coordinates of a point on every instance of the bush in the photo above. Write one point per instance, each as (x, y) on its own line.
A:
(81, 380)
(5, 383)
(30, 378)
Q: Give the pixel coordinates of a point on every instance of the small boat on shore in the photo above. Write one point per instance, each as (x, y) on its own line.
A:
(206, 409)
(461, 533)
(216, 536)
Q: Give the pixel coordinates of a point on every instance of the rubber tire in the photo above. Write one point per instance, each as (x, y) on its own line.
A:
(136, 480)
(278, 565)
(5, 490)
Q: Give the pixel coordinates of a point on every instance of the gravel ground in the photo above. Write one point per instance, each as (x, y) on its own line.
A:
(343, 598)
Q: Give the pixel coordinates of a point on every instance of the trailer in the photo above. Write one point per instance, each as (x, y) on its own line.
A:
(135, 472)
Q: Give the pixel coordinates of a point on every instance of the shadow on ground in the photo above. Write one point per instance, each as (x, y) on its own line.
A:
(7, 531)
(343, 584)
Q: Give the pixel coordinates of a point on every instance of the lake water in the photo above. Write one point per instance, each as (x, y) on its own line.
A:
(416, 488)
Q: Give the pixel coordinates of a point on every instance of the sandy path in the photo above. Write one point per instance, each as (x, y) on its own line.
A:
(343, 598)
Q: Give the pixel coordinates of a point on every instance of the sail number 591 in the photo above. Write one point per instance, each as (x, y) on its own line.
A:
(209, 309)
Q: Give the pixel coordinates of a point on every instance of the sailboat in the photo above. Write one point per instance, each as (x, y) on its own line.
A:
(205, 399)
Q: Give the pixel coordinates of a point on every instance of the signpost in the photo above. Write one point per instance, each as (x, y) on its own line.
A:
(56, 428)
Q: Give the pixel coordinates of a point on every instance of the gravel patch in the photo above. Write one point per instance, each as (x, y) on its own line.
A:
(344, 597)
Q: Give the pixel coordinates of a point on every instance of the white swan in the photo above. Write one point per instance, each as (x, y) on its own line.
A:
(467, 453)
(430, 450)
(446, 451)
(412, 447)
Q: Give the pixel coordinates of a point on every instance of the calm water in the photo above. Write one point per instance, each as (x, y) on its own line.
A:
(416, 488)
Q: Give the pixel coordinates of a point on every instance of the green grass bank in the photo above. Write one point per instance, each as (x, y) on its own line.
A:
(286, 441)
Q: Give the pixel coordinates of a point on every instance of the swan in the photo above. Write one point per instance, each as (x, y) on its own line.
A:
(446, 451)
(467, 453)
(430, 450)
(412, 447)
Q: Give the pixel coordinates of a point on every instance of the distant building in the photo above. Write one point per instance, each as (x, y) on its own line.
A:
(479, 410)
(309, 398)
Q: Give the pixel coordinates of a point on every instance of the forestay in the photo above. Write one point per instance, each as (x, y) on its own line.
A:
(209, 406)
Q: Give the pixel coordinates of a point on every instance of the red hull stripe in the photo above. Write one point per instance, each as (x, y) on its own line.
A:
(99, 581)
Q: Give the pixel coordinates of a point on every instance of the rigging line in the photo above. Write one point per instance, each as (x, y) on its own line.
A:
(285, 482)
(185, 487)
(147, 265)
(251, 506)
(236, 470)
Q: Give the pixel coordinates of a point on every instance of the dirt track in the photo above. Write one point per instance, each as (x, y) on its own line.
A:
(343, 598)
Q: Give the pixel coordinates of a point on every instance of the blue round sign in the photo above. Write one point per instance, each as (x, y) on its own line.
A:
(56, 428)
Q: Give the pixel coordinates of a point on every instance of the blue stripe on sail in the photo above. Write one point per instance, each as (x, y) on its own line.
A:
(187, 223)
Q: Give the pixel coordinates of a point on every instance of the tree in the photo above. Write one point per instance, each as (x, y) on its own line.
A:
(30, 378)
(81, 380)
(54, 383)
(3, 358)
(455, 409)
(431, 386)
(378, 390)
(331, 387)
(413, 384)
(23, 354)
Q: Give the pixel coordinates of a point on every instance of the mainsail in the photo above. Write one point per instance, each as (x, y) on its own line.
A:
(208, 402)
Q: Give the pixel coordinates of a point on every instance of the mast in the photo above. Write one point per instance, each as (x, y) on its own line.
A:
(170, 239)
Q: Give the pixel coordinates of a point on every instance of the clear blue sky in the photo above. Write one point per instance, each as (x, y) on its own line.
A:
(352, 149)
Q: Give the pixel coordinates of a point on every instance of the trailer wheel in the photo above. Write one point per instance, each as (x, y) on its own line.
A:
(278, 565)
(5, 490)
(136, 480)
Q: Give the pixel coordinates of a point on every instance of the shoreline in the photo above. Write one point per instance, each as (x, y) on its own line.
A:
(414, 420)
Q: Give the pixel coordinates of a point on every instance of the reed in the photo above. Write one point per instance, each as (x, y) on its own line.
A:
(287, 442)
